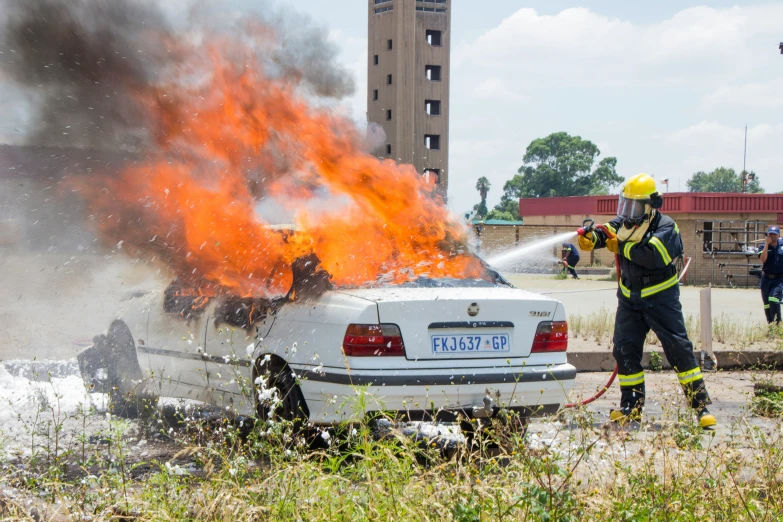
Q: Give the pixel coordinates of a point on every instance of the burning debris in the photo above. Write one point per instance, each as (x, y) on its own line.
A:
(221, 120)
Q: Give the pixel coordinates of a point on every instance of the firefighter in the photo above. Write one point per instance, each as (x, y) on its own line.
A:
(646, 243)
(771, 255)
(570, 259)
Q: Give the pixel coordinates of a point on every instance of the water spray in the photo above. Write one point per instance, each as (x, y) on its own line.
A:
(516, 255)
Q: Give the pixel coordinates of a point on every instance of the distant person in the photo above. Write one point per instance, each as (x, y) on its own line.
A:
(771, 256)
(570, 259)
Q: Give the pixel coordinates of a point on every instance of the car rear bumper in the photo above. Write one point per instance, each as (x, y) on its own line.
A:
(337, 396)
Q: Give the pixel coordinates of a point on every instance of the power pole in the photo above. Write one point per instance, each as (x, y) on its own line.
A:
(744, 158)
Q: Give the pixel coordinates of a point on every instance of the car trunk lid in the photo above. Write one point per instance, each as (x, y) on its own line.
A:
(462, 323)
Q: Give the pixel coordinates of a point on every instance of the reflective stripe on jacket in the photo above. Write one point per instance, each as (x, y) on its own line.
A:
(647, 266)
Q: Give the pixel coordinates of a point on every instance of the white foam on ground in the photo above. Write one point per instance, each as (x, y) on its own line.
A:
(33, 406)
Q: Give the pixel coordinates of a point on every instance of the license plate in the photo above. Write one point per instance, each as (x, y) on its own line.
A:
(470, 343)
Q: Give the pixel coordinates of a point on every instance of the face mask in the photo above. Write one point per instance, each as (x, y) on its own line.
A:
(636, 232)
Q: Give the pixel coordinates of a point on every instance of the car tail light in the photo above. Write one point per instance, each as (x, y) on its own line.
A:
(551, 337)
(367, 340)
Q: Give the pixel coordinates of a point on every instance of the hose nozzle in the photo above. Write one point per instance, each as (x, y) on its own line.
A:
(587, 226)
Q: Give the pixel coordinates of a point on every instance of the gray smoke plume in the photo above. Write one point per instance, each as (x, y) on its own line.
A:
(85, 59)
(82, 58)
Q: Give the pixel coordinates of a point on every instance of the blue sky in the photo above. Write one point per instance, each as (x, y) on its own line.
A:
(667, 87)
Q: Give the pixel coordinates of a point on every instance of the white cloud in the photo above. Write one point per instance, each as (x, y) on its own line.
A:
(713, 132)
(709, 144)
(763, 95)
(496, 89)
(579, 47)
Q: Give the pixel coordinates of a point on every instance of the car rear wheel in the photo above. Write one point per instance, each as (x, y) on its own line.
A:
(278, 397)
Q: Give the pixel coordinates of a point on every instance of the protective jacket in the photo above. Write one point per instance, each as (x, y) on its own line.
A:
(647, 266)
(774, 263)
(571, 254)
(772, 281)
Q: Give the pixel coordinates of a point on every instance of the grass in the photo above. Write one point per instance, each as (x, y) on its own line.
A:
(572, 468)
(727, 329)
(768, 404)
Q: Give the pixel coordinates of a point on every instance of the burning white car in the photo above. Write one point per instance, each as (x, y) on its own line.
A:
(426, 349)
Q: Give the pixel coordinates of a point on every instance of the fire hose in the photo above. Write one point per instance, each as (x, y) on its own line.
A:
(588, 226)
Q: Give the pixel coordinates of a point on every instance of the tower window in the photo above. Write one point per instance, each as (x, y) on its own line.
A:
(432, 107)
(432, 72)
(388, 79)
(389, 45)
(375, 95)
(432, 141)
(375, 59)
(432, 176)
(431, 9)
(388, 149)
(388, 114)
(434, 38)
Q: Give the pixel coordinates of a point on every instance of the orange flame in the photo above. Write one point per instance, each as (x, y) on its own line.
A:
(236, 136)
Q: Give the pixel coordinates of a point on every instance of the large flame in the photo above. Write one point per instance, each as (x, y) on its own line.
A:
(229, 135)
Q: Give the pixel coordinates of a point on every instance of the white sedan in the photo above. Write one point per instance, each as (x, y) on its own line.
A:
(429, 349)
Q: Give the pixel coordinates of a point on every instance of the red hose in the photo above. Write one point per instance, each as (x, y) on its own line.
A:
(598, 394)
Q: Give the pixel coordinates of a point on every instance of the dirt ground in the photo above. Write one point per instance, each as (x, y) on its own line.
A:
(36, 399)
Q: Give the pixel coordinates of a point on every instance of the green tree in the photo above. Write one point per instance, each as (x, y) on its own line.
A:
(501, 214)
(482, 185)
(722, 180)
(559, 165)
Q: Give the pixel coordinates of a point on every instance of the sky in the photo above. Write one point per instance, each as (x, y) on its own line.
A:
(666, 87)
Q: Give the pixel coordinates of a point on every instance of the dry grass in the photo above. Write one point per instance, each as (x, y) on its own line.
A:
(571, 468)
(735, 331)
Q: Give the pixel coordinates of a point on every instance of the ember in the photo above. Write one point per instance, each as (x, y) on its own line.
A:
(226, 131)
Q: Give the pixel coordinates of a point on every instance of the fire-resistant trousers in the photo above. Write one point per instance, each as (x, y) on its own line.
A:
(661, 313)
(571, 266)
(771, 294)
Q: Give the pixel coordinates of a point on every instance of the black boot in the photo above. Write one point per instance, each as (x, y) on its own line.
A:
(631, 404)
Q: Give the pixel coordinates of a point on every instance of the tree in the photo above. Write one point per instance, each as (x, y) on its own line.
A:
(509, 201)
(501, 214)
(559, 165)
(722, 180)
(482, 185)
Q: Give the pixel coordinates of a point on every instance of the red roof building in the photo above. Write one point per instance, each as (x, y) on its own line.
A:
(721, 231)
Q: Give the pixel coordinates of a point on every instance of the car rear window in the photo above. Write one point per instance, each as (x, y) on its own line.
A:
(448, 282)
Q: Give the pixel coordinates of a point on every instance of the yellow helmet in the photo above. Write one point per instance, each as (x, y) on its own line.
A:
(638, 198)
(641, 186)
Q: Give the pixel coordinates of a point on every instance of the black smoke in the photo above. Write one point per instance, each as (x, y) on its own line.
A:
(85, 61)
(82, 59)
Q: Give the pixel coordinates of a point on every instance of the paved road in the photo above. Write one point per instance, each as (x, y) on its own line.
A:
(587, 295)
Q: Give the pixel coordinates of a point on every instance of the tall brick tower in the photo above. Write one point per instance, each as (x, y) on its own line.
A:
(408, 83)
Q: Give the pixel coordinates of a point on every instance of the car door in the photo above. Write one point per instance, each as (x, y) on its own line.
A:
(231, 339)
(174, 347)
